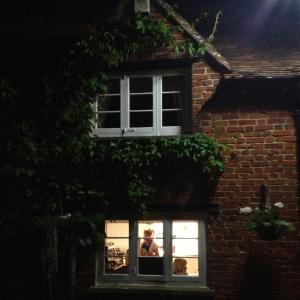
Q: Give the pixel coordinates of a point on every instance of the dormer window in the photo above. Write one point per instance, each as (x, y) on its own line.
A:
(142, 105)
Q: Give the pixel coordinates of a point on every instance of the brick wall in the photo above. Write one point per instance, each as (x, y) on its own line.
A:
(204, 81)
(255, 121)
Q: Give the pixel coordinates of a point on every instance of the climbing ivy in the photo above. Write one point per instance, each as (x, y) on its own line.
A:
(56, 175)
(139, 159)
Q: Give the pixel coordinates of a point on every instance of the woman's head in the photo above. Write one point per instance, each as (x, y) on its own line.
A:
(148, 233)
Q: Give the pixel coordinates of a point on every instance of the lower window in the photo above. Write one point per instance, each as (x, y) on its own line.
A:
(163, 250)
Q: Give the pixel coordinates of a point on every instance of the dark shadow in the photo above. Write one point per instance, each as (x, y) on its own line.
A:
(262, 275)
(255, 94)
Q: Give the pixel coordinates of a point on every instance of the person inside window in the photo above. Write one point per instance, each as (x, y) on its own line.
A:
(179, 266)
(149, 247)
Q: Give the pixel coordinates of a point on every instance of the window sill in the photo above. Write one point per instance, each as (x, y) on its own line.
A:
(137, 288)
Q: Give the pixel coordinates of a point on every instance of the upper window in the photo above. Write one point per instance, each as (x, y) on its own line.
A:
(159, 250)
(148, 105)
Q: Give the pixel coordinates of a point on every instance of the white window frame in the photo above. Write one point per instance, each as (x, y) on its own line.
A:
(157, 129)
(167, 277)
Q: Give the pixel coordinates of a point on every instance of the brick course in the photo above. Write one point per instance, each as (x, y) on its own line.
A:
(261, 150)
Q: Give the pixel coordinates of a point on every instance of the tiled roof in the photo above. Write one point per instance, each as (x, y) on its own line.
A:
(265, 59)
(257, 41)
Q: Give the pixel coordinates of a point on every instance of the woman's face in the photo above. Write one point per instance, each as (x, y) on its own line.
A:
(148, 240)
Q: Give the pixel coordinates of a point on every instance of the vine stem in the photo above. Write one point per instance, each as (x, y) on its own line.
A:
(214, 30)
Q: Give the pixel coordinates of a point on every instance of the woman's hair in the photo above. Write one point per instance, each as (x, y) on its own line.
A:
(148, 232)
(179, 265)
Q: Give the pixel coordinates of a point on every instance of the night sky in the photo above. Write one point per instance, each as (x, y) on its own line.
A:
(37, 36)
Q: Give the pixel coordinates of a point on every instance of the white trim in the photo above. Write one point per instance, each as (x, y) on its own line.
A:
(167, 276)
(157, 129)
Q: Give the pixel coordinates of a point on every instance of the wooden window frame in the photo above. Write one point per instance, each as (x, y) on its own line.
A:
(167, 277)
(157, 129)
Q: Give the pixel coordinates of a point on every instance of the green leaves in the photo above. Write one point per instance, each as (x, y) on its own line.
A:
(111, 45)
(50, 162)
(268, 218)
(139, 159)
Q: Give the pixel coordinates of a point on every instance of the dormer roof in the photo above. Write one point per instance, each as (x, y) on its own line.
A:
(194, 34)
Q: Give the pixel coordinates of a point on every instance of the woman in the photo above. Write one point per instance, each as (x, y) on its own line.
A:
(148, 247)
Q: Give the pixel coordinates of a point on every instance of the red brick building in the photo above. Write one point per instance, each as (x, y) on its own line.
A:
(247, 98)
(244, 92)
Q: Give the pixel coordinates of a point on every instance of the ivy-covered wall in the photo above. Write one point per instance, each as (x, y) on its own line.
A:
(254, 118)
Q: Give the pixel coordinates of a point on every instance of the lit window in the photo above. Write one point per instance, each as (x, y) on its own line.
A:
(162, 250)
(148, 105)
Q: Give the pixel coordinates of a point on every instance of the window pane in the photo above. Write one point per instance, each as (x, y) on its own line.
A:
(117, 228)
(151, 265)
(141, 102)
(108, 103)
(155, 226)
(150, 248)
(173, 83)
(185, 266)
(150, 238)
(185, 229)
(116, 247)
(172, 118)
(172, 101)
(109, 120)
(141, 119)
(116, 255)
(113, 86)
(185, 247)
(141, 85)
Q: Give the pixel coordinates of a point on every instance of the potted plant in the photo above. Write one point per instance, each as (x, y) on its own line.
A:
(266, 221)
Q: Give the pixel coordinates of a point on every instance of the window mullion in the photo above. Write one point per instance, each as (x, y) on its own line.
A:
(168, 248)
(133, 241)
(95, 109)
(124, 102)
(158, 103)
(202, 263)
(100, 262)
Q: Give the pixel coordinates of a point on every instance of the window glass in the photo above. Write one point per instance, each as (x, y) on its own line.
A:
(141, 102)
(185, 229)
(172, 118)
(185, 248)
(162, 248)
(117, 228)
(153, 104)
(141, 119)
(173, 83)
(171, 101)
(108, 108)
(116, 247)
(185, 266)
(141, 85)
(150, 248)
(108, 120)
(108, 103)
